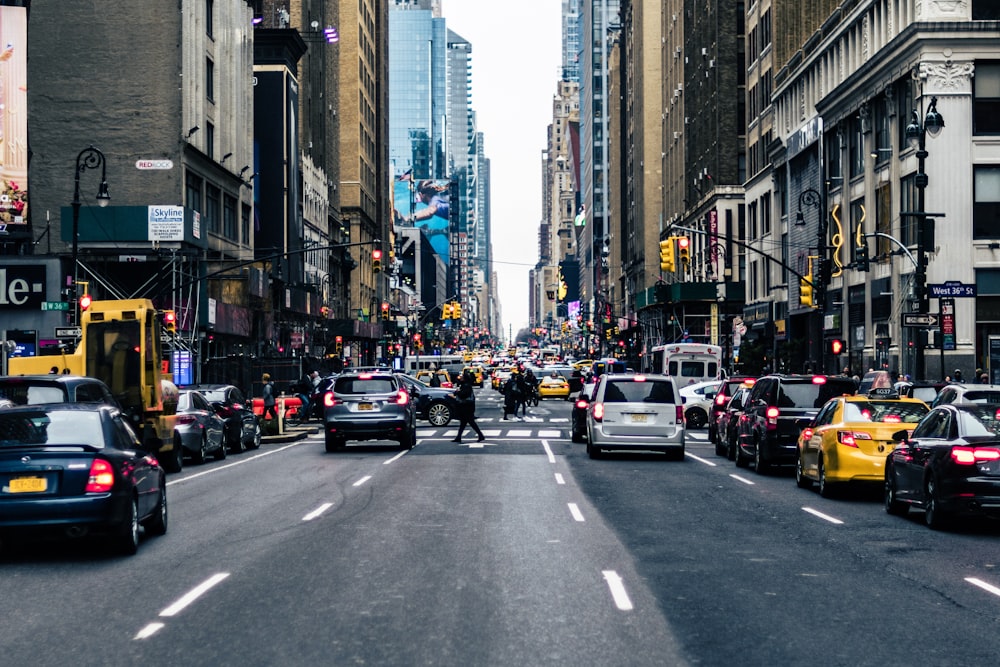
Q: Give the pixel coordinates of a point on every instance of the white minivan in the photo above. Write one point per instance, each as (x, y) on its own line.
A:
(636, 412)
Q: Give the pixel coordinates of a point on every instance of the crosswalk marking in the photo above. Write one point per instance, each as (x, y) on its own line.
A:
(519, 433)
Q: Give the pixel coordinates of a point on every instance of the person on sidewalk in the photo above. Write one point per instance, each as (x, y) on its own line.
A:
(467, 407)
(270, 412)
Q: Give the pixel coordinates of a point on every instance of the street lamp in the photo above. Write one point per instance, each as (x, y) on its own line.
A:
(89, 158)
(916, 135)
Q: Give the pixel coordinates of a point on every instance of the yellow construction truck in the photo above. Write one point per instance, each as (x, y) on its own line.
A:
(121, 344)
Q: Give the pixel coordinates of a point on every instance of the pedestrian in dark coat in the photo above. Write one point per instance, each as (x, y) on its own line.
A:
(467, 407)
(510, 394)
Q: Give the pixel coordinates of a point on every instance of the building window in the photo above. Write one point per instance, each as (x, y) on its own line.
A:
(834, 157)
(213, 201)
(765, 214)
(245, 215)
(908, 202)
(209, 17)
(883, 138)
(856, 143)
(210, 140)
(229, 218)
(192, 192)
(985, 10)
(883, 221)
(209, 79)
(986, 98)
(986, 202)
(858, 220)
(904, 111)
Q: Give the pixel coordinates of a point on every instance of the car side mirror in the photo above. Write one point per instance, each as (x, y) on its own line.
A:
(902, 437)
(804, 422)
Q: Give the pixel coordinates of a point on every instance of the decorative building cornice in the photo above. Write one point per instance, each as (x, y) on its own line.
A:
(943, 10)
(947, 76)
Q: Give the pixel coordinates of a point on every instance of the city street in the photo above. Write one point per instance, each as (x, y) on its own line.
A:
(518, 550)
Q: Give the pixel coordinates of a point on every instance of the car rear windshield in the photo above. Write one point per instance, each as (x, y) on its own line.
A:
(359, 385)
(54, 428)
(884, 411)
(630, 391)
(810, 395)
(981, 396)
(22, 393)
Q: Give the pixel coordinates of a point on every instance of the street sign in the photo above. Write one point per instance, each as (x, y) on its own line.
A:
(68, 332)
(920, 319)
(951, 288)
(55, 305)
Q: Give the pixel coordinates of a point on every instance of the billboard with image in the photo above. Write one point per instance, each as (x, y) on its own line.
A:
(425, 203)
(13, 118)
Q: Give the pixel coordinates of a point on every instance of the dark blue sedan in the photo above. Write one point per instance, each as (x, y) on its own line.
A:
(74, 470)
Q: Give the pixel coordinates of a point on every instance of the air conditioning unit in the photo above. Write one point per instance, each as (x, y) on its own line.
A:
(711, 63)
(704, 51)
(677, 135)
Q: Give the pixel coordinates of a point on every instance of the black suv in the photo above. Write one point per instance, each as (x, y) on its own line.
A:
(769, 431)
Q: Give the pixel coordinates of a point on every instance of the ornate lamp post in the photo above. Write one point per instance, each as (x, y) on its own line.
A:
(89, 158)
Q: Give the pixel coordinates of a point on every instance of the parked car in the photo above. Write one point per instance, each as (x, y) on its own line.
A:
(198, 431)
(726, 391)
(769, 430)
(436, 405)
(578, 417)
(77, 469)
(949, 466)
(368, 406)
(968, 393)
(728, 423)
(553, 387)
(641, 412)
(698, 399)
(243, 430)
(35, 389)
(850, 438)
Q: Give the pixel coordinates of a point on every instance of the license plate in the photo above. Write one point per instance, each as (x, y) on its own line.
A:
(638, 419)
(28, 484)
(365, 406)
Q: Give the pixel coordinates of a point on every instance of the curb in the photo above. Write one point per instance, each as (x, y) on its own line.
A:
(291, 434)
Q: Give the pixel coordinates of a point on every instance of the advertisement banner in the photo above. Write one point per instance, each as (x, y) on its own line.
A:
(426, 204)
(13, 118)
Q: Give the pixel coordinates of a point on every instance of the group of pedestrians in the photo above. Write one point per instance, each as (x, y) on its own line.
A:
(518, 389)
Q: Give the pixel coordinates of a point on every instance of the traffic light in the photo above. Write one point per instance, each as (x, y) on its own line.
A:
(456, 311)
(169, 319)
(684, 250)
(339, 340)
(376, 260)
(861, 261)
(806, 287)
(668, 260)
(836, 346)
(446, 311)
(85, 301)
(385, 310)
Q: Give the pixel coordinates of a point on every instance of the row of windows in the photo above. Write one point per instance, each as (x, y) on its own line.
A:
(218, 210)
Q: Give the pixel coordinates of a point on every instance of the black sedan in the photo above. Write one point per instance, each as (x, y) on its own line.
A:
(949, 466)
(434, 404)
(243, 429)
(74, 469)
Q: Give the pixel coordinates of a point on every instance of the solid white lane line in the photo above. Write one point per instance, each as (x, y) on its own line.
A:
(193, 594)
(742, 479)
(989, 588)
(548, 451)
(618, 592)
(362, 480)
(825, 517)
(398, 456)
(700, 460)
(559, 478)
(148, 631)
(235, 463)
(316, 512)
(575, 511)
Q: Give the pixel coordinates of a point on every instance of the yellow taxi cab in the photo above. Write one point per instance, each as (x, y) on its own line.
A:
(850, 438)
(583, 365)
(477, 373)
(499, 377)
(553, 387)
(425, 377)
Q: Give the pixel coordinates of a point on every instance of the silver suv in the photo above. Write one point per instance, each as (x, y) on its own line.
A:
(368, 406)
(636, 412)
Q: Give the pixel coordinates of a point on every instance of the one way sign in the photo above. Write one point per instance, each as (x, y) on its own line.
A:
(920, 319)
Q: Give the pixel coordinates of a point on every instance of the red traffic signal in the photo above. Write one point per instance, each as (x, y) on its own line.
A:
(836, 346)
(85, 302)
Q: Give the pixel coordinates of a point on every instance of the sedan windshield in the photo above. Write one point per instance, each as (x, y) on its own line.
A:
(54, 428)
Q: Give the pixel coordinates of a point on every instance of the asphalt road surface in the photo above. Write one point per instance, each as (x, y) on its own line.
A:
(517, 551)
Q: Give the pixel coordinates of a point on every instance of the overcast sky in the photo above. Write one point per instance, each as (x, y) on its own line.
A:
(516, 52)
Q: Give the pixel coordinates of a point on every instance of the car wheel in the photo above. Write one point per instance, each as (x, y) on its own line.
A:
(257, 434)
(593, 452)
(174, 460)
(801, 480)
(826, 487)
(760, 466)
(157, 524)
(439, 414)
(200, 455)
(334, 443)
(720, 447)
(409, 440)
(934, 516)
(127, 540)
(236, 441)
(739, 458)
(892, 504)
(731, 448)
(220, 453)
(576, 437)
(695, 418)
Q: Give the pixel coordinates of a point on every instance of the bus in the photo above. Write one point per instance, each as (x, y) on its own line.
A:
(453, 363)
(688, 363)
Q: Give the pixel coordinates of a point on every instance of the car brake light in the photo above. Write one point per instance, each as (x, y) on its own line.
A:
(892, 419)
(185, 419)
(581, 403)
(772, 415)
(365, 376)
(850, 438)
(679, 417)
(598, 411)
(720, 399)
(807, 433)
(970, 455)
(329, 400)
(639, 378)
(102, 477)
(819, 379)
(402, 398)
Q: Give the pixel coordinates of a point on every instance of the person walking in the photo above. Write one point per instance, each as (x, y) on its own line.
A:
(521, 396)
(467, 407)
(510, 394)
(270, 412)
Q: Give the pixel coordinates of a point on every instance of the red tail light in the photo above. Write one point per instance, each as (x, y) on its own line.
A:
(772, 415)
(582, 404)
(818, 379)
(598, 411)
(720, 400)
(807, 433)
(679, 416)
(185, 419)
(329, 400)
(402, 398)
(972, 455)
(850, 438)
(102, 477)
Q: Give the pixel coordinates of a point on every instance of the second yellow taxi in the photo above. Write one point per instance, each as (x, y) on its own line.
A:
(553, 387)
